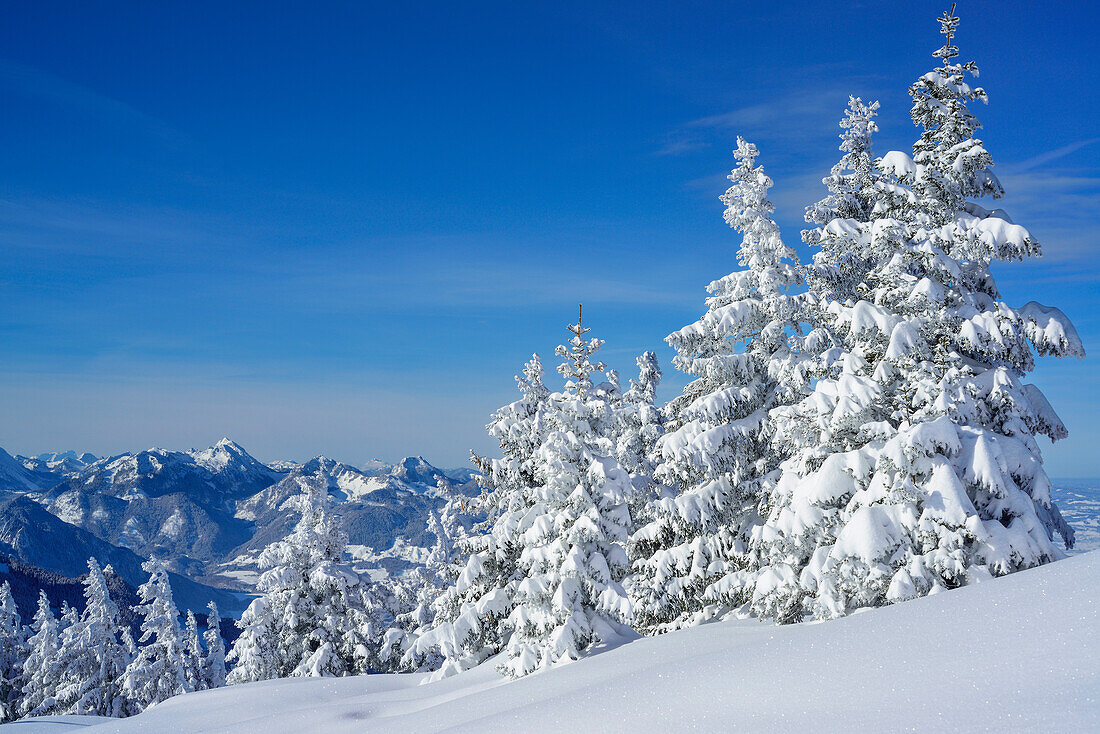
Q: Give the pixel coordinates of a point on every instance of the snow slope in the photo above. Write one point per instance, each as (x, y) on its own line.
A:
(1020, 653)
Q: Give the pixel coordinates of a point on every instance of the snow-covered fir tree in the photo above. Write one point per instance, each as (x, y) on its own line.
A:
(213, 663)
(255, 653)
(12, 653)
(717, 448)
(571, 526)
(637, 427)
(424, 589)
(192, 654)
(91, 657)
(470, 616)
(160, 669)
(917, 466)
(858, 190)
(310, 619)
(545, 581)
(41, 673)
(416, 592)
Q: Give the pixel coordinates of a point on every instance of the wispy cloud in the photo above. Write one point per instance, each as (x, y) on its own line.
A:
(797, 116)
(1052, 155)
(36, 83)
(680, 143)
(1058, 204)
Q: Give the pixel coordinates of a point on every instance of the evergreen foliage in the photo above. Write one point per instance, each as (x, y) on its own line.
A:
(545, 581)
(213, 664)
(313, 618)
(91, 659)
(41, 674)
(717, 449)
(160, 669)
(13, 651)
(916, 466)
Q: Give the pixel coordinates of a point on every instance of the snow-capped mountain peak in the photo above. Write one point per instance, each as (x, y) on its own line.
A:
(416, 470)
(229, 456)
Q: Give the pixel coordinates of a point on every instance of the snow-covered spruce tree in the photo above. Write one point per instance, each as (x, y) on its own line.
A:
(417, 591)
(637, 427)
(192, 653)
(546, 581)
(414, 633)
(309, 620)
(213, 663)
(91, 658)
(160, 669)
(917, 466)
(40, 671)
(471, 615)
(255, 653)
(13, 651)
(572, 525)
(410, 610)
(858, 190)
(43, 699)
(717, 447)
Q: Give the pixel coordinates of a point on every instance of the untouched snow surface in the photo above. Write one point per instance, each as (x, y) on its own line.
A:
(1020, 653)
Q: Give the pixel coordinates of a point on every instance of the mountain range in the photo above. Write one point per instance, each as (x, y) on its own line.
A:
(208, 513)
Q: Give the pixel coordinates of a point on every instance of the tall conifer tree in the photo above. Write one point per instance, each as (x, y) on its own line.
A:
(917, 465)
(717, 448)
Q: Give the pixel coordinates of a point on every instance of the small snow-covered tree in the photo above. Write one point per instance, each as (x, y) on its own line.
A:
(255, 653)
(917, 466)
(470, 616)
(192, 654)
(13, 651)
(91, 658)
(717, 447)
(310, 620)
(418, 589)
(411, 644)
(160, 669)
(545, 581)
(41, 673)
(637, 427)
(213, 663)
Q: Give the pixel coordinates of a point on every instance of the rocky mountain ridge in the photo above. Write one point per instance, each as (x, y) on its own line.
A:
(208, 513)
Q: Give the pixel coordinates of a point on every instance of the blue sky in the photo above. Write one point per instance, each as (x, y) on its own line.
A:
(340, 228)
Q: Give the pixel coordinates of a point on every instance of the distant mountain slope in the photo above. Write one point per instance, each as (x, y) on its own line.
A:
(16, 477)
(172, 504)
(1079, 502)
(213, 476)
(208, 513)
(58, 464)
(385, 513)
(31, 535)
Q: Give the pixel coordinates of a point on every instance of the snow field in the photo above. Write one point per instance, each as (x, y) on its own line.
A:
(1019, 653)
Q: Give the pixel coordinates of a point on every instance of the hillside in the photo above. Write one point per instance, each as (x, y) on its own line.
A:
(1020, 653)
(33, 536)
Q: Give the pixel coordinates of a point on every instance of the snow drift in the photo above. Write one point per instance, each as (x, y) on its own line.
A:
(1017, 653)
